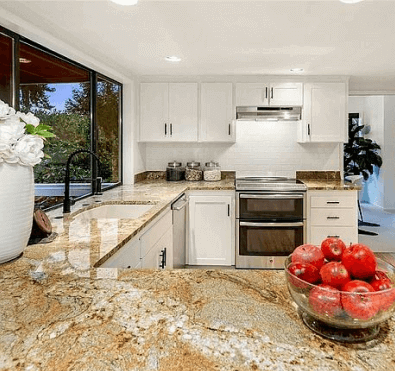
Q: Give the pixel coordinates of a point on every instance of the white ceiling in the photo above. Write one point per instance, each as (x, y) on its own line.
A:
(217, 37)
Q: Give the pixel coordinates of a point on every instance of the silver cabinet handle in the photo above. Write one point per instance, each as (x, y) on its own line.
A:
(275, 196)
(165, 129)
(333, 236)
(229, 130)
(171, 129)
(333, 202)
(271, 93)
(266, 92)
(285, 225)
(179, 205)
(333, 217)
(228, 210)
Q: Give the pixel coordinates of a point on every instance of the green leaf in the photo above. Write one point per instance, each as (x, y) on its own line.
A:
(43, 127)
(30, 129)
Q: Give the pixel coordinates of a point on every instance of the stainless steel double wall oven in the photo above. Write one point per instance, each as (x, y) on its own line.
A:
(270, 220)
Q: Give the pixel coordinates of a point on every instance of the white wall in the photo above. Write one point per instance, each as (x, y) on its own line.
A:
(262, 148)
(388, 168)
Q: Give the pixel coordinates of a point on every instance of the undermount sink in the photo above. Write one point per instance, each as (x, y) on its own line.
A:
(115, 212)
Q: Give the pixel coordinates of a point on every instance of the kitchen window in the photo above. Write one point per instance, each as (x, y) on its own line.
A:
(82, 106)
(6, 75)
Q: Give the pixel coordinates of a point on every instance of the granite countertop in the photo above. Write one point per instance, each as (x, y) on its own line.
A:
(330, 185)
(57, 315)
(57, 312)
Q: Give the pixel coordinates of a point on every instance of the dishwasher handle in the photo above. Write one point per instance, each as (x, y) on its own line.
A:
(179, 204)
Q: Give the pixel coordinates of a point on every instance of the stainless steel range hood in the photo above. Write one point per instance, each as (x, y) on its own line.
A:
(268, 113)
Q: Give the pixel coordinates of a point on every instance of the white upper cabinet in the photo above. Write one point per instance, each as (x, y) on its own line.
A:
(325, 113)
(216, 113)
(269, 94)
(154, 108)
(183, 117)
(252, 94)
(286, 94)
(168, 112)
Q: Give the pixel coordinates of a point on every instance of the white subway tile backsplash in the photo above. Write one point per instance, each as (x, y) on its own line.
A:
(262, 148)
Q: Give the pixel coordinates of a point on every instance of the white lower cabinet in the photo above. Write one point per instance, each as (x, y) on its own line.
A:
(127, 257)
(332, 214)
(147, 248)
(211, 230)
(160, 255)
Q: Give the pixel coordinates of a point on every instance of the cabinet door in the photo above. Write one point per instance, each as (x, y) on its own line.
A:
(127, 257)
(325, 112)
(153, 259)
(183, 122)
(154, 106)
(286, 94)
(216, 113)
(252, 94)
(210, 230)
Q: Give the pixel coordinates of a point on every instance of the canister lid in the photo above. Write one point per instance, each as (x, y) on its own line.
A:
(193, 164)
(211, 164)
(174, 164)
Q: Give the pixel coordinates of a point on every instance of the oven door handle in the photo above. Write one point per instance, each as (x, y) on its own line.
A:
(273, 196)
(252, 224)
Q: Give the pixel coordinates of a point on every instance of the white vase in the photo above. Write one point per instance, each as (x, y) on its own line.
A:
(16, 209)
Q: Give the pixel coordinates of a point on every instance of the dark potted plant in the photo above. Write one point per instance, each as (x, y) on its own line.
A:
(360, 154)
(360, 157)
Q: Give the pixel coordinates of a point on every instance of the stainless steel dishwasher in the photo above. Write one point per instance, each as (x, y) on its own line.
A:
(179, 231)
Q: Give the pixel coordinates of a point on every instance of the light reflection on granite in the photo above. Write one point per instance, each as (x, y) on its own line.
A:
(103, 237)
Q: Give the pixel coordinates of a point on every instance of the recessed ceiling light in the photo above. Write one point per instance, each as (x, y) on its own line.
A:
(125, 2)
(351, 1)
(172, 58)
(296, 69)
(24, 60)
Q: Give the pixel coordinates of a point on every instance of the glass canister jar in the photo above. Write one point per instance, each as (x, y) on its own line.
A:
(212, 172)
(193, 171)
(175, 171)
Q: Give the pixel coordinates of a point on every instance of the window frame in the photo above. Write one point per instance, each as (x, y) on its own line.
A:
(93, 75)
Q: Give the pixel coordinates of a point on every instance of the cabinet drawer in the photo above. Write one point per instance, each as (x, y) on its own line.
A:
(153, 235)
(333, 201)
(346, 234)
(330, 216)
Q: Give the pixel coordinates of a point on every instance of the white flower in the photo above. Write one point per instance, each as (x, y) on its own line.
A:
(11, 129)
(29, 118)
(29, 150)
(5, 110)
(7, 154)
(15, 145)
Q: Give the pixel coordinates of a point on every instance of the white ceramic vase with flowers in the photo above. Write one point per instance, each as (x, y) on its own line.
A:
(21, 143)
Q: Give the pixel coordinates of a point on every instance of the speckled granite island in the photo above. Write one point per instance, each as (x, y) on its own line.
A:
(57, 312)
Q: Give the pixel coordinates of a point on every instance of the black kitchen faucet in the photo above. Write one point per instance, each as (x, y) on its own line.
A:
(96, 181)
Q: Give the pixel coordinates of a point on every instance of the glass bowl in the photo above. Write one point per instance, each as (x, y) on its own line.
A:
(332, 320)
